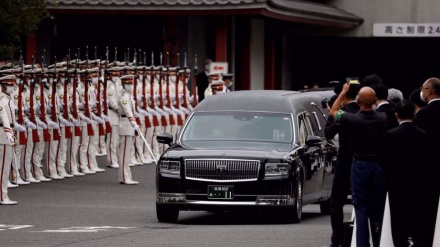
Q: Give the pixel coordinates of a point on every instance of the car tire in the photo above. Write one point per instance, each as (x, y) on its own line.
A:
(294, 213)
(324, 206)
(166, 213)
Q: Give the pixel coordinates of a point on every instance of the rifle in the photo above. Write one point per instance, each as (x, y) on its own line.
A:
(46, 132)
(138, 121)
(184, 77)
(20, 120)
(168, 73)
(195, 84)
(108, 126)
(32, 118)
(179, 117)
(74, 106)
(56, 133)
(67, 129)
(155, 118)
(87, 112)
(144, 93)
(163, 119)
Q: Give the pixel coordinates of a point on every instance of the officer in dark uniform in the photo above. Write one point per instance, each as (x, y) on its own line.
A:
(341, 180)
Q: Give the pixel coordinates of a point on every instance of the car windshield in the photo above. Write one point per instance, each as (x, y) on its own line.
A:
(239, 130)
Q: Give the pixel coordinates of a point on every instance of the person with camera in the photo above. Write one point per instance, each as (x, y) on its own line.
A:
(365, 129)
(341, 180)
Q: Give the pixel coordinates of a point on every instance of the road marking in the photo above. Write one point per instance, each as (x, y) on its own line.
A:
(13, 227)
(87, 229)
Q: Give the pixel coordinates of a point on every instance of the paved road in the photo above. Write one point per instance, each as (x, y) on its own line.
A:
(96, 210)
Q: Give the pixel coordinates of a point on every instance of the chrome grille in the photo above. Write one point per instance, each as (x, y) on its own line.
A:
(222, 170)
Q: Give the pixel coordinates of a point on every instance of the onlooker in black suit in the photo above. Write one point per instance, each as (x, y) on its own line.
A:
(404, 149)
(366, 129)
(414, 97)
(375, 82)
(384, 106)
(202, 79)
(341, 180)
(428, 118)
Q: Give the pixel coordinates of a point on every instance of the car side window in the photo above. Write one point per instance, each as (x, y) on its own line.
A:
(309, 127)
(302, 132)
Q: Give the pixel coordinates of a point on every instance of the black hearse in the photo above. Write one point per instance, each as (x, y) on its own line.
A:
(247, 149)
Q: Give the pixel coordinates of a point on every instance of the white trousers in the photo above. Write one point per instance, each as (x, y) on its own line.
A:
(72, 163)
(102, 147)
(62, 150)
(5, 168)
(51, 152)
(93, 148)
(156, 146)
(112, 145)
(125, 149)
(148, 134)
(139, 145)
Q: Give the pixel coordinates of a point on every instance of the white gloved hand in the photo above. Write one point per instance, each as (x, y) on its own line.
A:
(105, 118)
(53, 125)
(161, 112)
(149, 97)
(156, 97)
(184, 110)
(10, 137)
(153, 112)
(137, 128)
(98, 119)
(64, 121)
(168, 110)
(41, 124)
(191, 99)
(143, 112)
(177, 111)
(85, 119)
(135, 114)
(19, 127)
(31, 125)
(75, 122)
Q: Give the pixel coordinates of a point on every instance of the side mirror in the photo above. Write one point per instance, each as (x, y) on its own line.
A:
(165, 138)
(312, 141)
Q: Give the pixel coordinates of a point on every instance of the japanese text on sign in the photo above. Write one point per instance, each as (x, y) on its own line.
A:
(406, 30)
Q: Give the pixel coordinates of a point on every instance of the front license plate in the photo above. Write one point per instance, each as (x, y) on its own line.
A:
(221, 192)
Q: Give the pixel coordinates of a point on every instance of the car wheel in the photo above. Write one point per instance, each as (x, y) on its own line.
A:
(167, 213)
(325, 207)
(294, 213)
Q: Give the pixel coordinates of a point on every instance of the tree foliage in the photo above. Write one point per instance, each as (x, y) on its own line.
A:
(18, 18)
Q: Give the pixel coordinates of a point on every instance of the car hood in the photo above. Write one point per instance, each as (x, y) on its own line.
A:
(180, 152)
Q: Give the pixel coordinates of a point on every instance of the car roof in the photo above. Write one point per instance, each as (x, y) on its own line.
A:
(260, 100)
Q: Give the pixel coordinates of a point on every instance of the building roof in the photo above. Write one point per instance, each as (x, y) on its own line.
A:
(290, 10)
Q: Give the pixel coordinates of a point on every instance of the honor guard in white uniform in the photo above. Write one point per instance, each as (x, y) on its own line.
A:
(102, 148)
(158, 107)
(212, 77)
(113, 113)
(7, 139)
(127, 129)
(35, 146)
(152, 114)
(139, 143)
(52, 112)
(22, 135)
(66, 131)
(72, 162)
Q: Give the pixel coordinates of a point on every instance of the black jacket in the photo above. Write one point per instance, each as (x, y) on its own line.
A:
(390, 111)
(202, 84)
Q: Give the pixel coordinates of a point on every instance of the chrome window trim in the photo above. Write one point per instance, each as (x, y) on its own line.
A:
(317, 120)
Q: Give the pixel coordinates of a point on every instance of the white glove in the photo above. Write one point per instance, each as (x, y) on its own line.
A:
(177, 111)
(105, 118)
(143, 112)
(153, 112)
(156, 97)
(41, 124)
(10, 137)
(168, 110)
(135, 114)
(64, 121)
(53, 125)
(85, 119)
(75, 122)
(136, 128)
(161, 112)
(184, 110)
(19, 127)
(148, 97)
(97, 119)
(31, 125)
(191, 99)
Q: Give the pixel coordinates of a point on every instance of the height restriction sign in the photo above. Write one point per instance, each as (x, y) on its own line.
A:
(221, 67)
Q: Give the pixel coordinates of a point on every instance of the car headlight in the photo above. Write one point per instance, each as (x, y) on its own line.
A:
(169, 167)
(277, 169)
